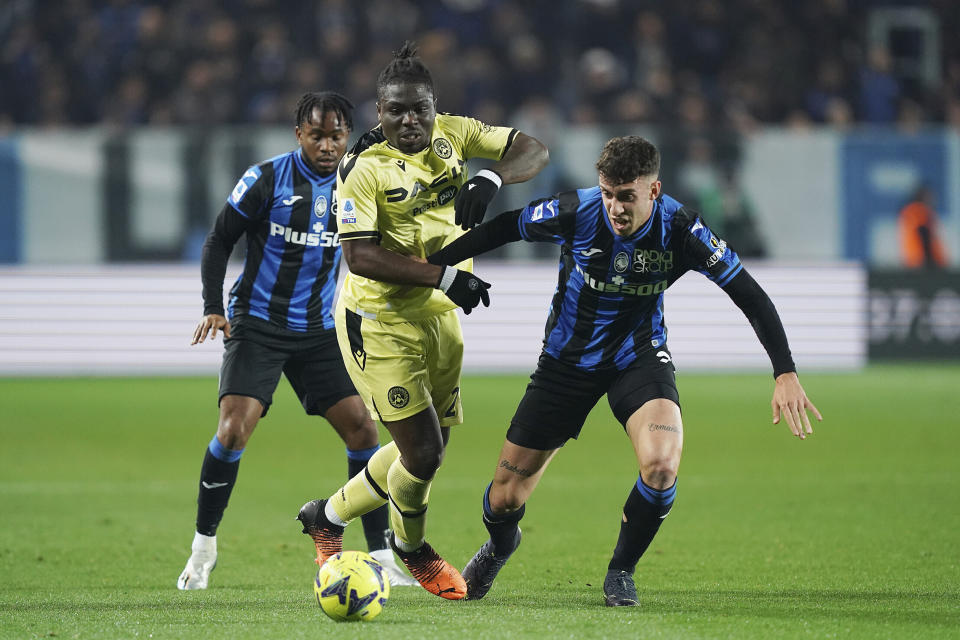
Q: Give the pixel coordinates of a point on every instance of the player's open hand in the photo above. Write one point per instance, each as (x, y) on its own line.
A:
(464, 288)
(210, 324)
(475, 195)
(791, 402)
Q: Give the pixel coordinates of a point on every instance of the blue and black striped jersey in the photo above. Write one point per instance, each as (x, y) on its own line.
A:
(608, 306)
(293, 250)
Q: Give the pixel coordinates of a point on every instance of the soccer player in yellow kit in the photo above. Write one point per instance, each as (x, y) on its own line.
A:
(403, 194)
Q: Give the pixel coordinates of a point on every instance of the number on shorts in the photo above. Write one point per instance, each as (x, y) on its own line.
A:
(452, 410)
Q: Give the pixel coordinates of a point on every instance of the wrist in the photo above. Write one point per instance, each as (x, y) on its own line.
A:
(492, 176)
(447, 276)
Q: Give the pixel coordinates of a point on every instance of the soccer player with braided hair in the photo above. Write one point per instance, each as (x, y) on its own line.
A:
(404, 194)
(280, 319)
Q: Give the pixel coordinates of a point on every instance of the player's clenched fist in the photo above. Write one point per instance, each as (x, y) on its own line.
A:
(474, 197)
(464, 288)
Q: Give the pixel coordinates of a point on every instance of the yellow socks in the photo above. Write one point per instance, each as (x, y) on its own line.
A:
(367, 490)
(408, 505)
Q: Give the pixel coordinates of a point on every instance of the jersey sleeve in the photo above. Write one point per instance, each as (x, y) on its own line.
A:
(703, 250)
(357, 201)
(549, 220)
(481, 140)
(253, 191)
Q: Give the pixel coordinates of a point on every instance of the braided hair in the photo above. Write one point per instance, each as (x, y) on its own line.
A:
(406, 67)
(325, 101)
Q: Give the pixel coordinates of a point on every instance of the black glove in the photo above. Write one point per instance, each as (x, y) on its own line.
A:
(476, 193)
(464, 288)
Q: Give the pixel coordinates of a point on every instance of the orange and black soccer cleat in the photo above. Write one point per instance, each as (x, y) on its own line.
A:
(434, 574)
(328, 537)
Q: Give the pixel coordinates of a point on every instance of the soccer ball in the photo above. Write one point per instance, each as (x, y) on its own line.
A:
(351, 586)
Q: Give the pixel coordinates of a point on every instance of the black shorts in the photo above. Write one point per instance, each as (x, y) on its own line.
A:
(257, 352)
(560, 396)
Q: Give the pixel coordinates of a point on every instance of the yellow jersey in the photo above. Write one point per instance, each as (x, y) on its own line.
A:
(406, 202)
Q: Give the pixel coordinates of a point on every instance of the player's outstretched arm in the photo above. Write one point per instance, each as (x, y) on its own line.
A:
(791, 402)
(523, 160)
(366, 258)
(489, 235)
(789, 399)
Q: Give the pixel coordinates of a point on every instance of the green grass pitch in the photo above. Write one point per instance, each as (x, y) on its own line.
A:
(852, 533)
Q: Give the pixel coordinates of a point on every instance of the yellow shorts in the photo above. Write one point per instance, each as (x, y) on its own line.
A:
(401, 368)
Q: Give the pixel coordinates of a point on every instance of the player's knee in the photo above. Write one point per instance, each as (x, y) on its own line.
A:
(360, 433)
(505, 502)
(234, 430)
(425, 461)
(660, 472)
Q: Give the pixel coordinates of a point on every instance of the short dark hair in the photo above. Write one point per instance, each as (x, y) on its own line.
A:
(325, 101)
(406, 67)
(626, 159)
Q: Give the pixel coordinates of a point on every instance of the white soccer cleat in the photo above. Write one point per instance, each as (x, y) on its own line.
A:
(394, 573)
(203, 558)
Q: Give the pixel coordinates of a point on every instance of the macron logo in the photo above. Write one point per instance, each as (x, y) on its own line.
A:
(292, 199)
(470, 186)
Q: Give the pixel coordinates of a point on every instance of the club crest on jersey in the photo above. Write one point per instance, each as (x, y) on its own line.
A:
(398, 397)
(621, 262)
(348, 213)
(443, 148)
(320, 206)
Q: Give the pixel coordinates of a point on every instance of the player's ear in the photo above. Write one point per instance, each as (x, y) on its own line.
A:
(655, 190)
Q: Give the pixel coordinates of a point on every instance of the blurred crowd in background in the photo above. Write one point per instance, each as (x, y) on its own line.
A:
(697, 75)
(697, 64)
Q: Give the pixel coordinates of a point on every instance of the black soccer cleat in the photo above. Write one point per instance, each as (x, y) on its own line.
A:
(327, 536)
(483, 568)
(619, 589)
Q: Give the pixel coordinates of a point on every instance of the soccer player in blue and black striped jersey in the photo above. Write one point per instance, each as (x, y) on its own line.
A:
(280, 319)
(622, 244)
